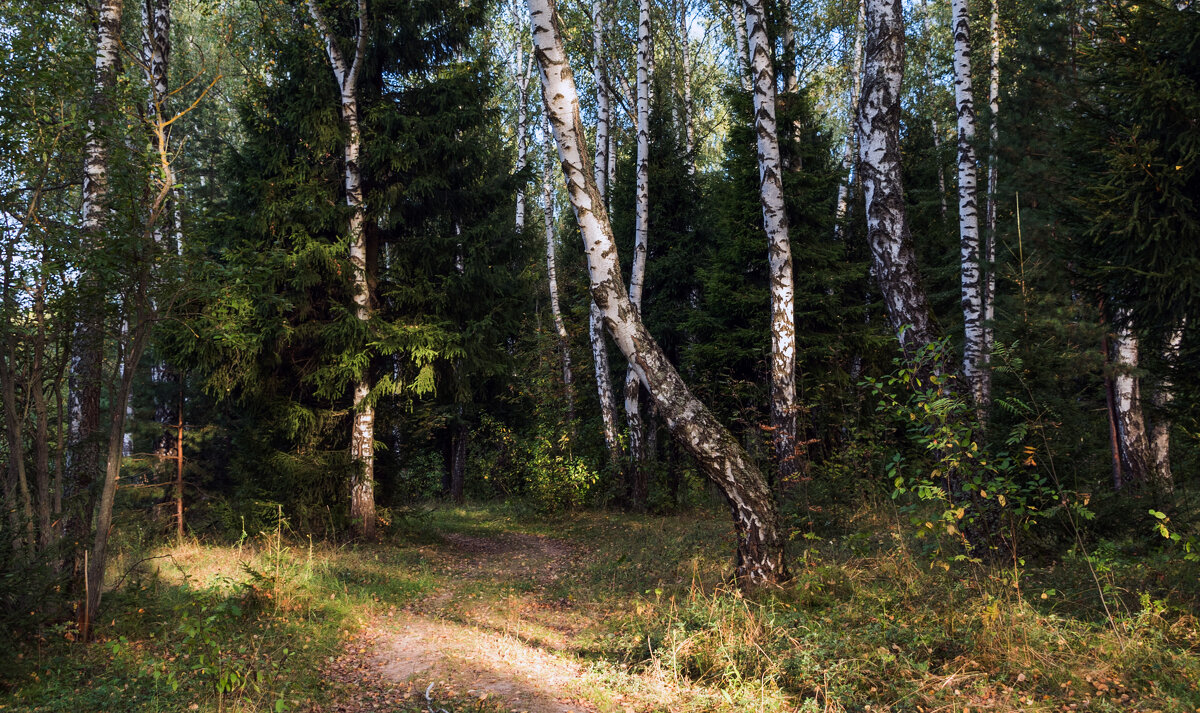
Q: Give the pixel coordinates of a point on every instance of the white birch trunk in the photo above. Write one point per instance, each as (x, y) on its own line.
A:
(893, 260)
(1134, 446)
(741, 44)
(637, 274)
(1160, 431)
(83, 424)
(779, 250)
(974, 366)
(933, 120)
(604, 387)
(560, 327)
(989, 257)
(848, 149)
(362, 427)
(524, 69)
(760, 556)
(689, 127)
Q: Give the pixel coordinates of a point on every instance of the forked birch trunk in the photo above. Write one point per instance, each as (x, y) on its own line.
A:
(893, 260)
(560, 327)
(974, 367)
(779, 249)
(848, 149)
(760, 544)
(362, 427)
(637, 275)
(604, 386)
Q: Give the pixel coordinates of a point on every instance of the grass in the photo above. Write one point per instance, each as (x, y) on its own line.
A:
(868, 623)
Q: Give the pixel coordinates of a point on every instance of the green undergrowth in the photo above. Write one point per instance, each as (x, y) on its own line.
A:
(868, 622)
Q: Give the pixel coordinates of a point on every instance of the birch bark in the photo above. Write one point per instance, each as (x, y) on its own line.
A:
(848, 150)
(989, 257)
(689, 127)
(560, 327)
(741, 44)
(637, 275)
(522, 77)
(87, 344)
(1131, 422)
(604, 387)
(362, 427)
(760, 554)
(974, 368)
(1160, 431)
(893, 260)
(933, 119)
(779, 250)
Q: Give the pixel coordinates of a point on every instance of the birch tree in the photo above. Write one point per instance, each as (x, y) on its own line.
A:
(685, 59)
(779, 252)
(362, 428)
(975, 368)
(637, 275)
(1160, 430)
(1133, 442)
(560, 327)
(604, 147)
(878, 126)
(523, 68)
(760, 554)
(933, 115)
(848, 150)
(87, 356)
(989, 250)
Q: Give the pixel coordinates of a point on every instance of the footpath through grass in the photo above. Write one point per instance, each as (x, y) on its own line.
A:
(640, 605)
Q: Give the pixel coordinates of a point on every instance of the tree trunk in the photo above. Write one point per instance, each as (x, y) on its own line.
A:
(779, 251)
(1160, 431)
(362, 427)
(741, 44)
(460, 432)
(638, 486)
(87, 343)
(522, 128)
(689, 127)
(1131, 422)
(604, 388)
(760, 548)
(848, 152)
(989, 256)
(560, 327)
(893, 260)
(975, 369)
(933, 120)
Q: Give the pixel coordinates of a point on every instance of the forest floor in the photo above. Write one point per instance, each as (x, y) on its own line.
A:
(498, 609)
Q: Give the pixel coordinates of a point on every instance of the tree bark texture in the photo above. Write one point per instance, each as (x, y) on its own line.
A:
(362, 427)
(1160, 430)
(779, 250)
(560, 327)
(935, 125)
(638, 485)
(894, 263)
(848, 150)
(1131, 421)
(974, 366)
(741, 44)
(989, 250)
(685, 52)
(760, 554)
(604, 386)
(524, 69)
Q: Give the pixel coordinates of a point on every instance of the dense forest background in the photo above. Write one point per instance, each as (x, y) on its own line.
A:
(245, 291)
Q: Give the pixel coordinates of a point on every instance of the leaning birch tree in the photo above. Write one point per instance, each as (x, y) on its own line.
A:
(362, 428)
(894, 262)
(779, 250)
(760, 544)
(974, 366)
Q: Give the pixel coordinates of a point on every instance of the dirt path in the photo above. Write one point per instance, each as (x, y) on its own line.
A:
(467, 641)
